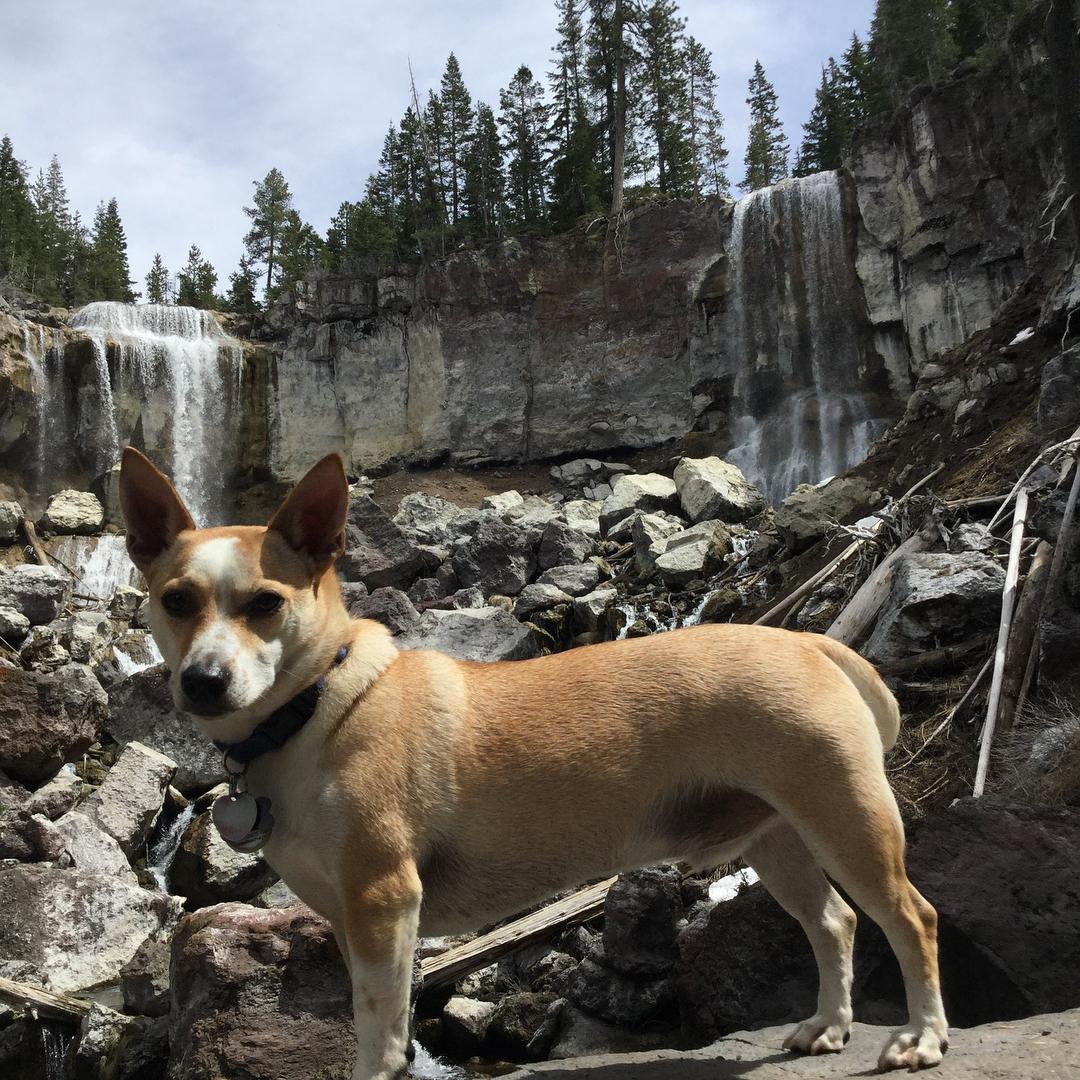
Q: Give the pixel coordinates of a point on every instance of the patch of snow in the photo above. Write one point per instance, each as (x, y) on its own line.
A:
(1027, 332)
(730, 886)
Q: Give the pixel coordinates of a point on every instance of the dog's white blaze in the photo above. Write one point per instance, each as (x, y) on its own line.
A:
(218, 561)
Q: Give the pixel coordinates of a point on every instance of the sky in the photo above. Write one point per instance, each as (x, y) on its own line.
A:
(176, 108)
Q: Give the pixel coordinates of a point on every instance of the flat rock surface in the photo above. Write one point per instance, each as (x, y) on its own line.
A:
(1039, 1048)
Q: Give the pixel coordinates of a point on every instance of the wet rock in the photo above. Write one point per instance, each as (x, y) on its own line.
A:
(624, 1000)
(591, 608)
(276, 976)
(14, 625)
(937, 599)
(647, 492)
(697, 552)
(810, 512)
(584, 516)
(574, 580)
(11, 517)
(560, 544)
(127, 804)
(78, 512)
(391, 607)
(711, 489)
(144, 979)
(77, 929)
(499, 558)
(641, 915)
(487, 633)
(517, 1029)
(207, 871)
(141, 709)
(536, 598)
(503, 503)
(38, 593)
(47, 719)
(464, 1025)
(107, 1046)
(377, 552)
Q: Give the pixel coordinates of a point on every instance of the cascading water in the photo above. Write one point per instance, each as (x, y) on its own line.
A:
(801, 407)
(99, 563)
(160, 854)
(177, 375)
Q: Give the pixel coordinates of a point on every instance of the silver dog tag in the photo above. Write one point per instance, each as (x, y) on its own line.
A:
(243, 821)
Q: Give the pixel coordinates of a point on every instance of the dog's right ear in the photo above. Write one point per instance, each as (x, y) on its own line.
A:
(312, 518)
(153, 512)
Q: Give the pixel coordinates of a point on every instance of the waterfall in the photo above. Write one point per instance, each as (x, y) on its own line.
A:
(100, 563)
(800, 408)
(177, 375)
(161, 852)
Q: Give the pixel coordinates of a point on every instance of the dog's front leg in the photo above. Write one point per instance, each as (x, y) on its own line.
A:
(381, 918)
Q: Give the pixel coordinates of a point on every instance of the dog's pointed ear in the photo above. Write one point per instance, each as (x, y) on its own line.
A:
(312, 518)
(153, 512)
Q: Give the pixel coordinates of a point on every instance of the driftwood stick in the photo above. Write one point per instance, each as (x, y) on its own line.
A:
(973, 502)
(934, 658)
(45, 1003)
(35, 542)
(1008, 602)
(1025, 632)
(780, 609)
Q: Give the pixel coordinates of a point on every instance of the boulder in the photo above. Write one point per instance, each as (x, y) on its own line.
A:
(78, 512)
(535, 598)
(697, 552)
(125, 602)
(377, 552)
(641, 916)
(11, 518)
(14, 625)
(13, 796)
(141, 709)
(207, 871)
(90, 848)
(937, 599)
(591, 608)
(1059, 396)
(487, 633)
(539, 967)
(518, 1029)
(42, 651)
(38, 593)
(623, 532)
(109, 1045)
(534, 512)
(560, 544)
(275, 976)
(499, 558)
(428, 519)
(77, 929)
(625, 1000)
(127, 803)
(649, 534)
(647, 492)
(574, 580)
(388, 606)
(86, 635)
(581, 1035)
(464, 1025)
(811, 512)
(711, 489)
(47, 719)
(584, 516)
(503, 503)
(144, 979)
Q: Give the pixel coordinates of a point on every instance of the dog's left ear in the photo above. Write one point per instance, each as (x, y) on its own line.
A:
(153, 512)
(312, 518)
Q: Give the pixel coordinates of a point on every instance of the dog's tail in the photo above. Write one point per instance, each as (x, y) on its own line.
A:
(872, 689)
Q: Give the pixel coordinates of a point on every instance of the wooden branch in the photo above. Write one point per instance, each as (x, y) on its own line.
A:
(464, 959)
(780, 609)
(1008, 601)
(35, 543)
(973, 502)
(861, 610)
(1025, 632)
(53, 1006)
(1065, 444)
(934, 658)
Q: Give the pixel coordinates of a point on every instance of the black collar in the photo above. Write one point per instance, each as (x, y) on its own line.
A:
(282, 724)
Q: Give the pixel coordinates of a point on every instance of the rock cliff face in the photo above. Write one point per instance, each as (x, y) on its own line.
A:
(787, 328)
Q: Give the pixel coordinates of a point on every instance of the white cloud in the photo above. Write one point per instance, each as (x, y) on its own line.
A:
(175, 109)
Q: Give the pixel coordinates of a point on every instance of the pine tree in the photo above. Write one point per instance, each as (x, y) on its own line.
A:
(981, 27)
(566, 81)
(458, 121)
(911, 42)
(665, 97)
(704, 124)
(577, 188)
(522, 114)
(767, 146)
(157, 282)
(485, 194)
(827, 134)
(269, 216)
(358, 234)
(301, 250)
(109, 275)
(58, 237)
(421, 214)
(76, 287)
(862, 92)
(243, 282)
(198, 280)
(434, 145)
(382, 191)
(18, 227)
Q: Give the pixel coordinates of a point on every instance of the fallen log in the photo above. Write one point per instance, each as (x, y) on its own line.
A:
(1008, 603)
(34, 542)
(464, 959)
(934, 658)
(45, 1003)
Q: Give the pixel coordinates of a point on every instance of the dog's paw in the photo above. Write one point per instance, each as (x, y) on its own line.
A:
(913, 1049)
(818, 1035)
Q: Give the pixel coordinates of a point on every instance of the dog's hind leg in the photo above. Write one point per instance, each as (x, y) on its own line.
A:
(789, 872)
(381, 920)
(854, 831)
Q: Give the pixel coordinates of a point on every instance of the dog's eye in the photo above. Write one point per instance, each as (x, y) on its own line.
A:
(176, 602)
(265, 603)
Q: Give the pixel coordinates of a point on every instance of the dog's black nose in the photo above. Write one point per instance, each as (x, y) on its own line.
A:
(204, 686)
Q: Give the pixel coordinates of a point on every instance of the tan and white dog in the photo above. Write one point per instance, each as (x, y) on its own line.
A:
(427, 795)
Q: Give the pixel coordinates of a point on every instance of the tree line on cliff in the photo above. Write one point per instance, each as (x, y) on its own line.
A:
(628, 113)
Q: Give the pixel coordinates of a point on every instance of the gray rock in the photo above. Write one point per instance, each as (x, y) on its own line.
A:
(1059, 396)
(504, 503)
(498, 557)
(428, 519)
(90, 848)
(125, 602)
(47, 719)
(591, 608)
(108, 1042)
(207, 871)
(77, 929)
(78, 512)
(377, 552)
(972, 536)
(388, 606)
(623, 532)
(641, 917)
(144, 979)
(127, 803)
(581, 1035)
(141, 709)
(468, 599)
(86, 635)
(625, 1000)
(13, 796)
(11, 517)
(649, 534)
(574, 580)
(42, 650)
(711, 489)
(583, 515)
(647, 492)
(57, 797)
(487, 633)
(518, 1030)
(560, 544)
(39, 593)
(14, 625)
(810, 513)
(534, 511)
(697, 552)
(536, 598)
(937, 599)
(278, 895)
(465, 1023)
